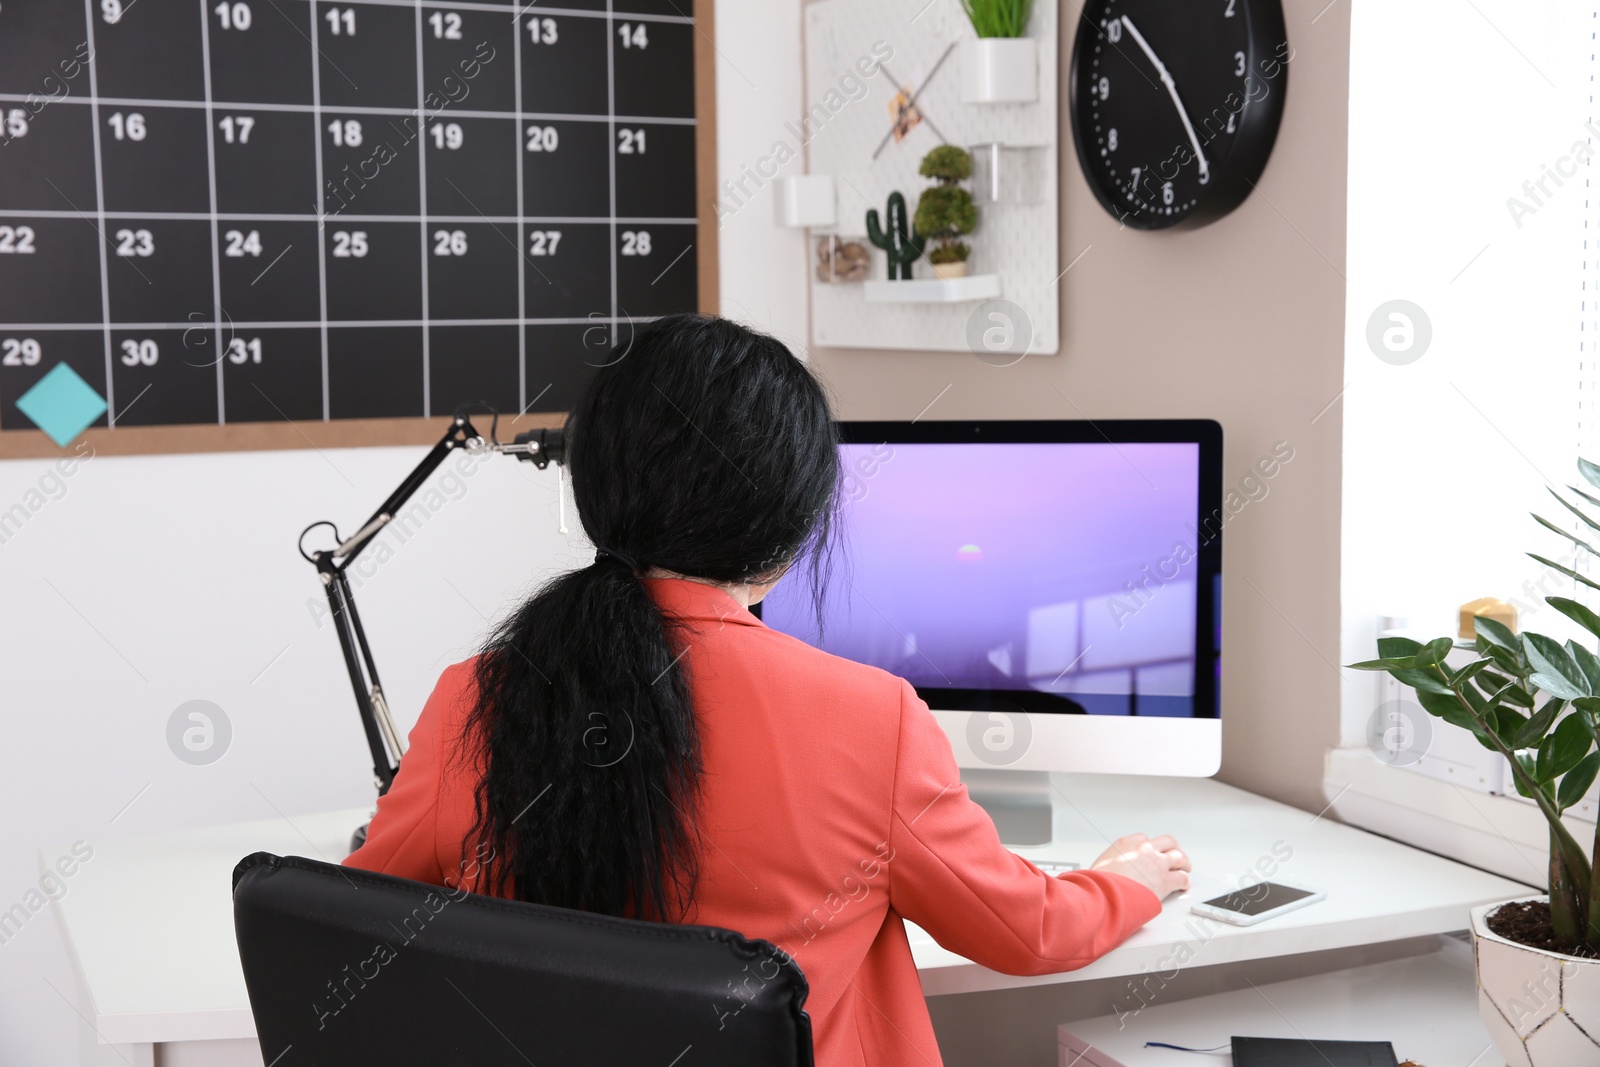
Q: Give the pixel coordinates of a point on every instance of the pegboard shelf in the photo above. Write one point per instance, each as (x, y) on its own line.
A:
(933, 290)
(888, 79)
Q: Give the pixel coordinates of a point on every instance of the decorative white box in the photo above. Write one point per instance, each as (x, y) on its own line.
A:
(805, 200)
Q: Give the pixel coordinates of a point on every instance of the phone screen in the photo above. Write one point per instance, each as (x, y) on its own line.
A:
(1258, 898)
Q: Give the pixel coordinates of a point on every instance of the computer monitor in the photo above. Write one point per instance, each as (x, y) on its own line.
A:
(1050, 588)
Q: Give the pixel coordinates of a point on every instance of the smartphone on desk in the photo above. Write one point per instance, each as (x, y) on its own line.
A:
(1257, 903)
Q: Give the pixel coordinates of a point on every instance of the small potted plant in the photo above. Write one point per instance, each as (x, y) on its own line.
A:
(1002, 65)
(945, 212)
(1536, 701)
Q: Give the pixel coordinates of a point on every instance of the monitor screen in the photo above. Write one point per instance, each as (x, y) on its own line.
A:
(1069, 572)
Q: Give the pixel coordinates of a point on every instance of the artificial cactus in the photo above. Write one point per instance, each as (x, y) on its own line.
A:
(897, 243)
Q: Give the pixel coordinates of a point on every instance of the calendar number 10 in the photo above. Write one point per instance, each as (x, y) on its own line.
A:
(235, 16)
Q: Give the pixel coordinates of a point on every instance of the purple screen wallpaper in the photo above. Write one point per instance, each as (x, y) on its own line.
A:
(1061, 568)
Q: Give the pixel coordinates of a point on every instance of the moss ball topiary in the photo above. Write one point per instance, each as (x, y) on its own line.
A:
(945, 211)
(947, 163)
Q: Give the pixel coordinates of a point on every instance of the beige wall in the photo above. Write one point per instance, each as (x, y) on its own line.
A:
(1241, 321)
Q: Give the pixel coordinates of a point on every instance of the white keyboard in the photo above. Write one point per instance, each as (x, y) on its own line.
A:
(1055, 866)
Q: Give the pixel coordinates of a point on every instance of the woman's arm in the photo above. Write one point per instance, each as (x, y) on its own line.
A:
(950, 874)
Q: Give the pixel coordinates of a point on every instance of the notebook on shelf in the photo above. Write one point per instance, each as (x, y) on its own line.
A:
(1295, 1052)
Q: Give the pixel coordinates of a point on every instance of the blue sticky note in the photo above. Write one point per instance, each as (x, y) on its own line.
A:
(62, 404)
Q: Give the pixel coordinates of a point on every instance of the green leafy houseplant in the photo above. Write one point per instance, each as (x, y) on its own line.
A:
(945, 212)
(1536, 701)
(998, 18)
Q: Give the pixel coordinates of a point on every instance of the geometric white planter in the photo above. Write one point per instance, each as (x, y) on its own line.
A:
(1001, 70)
(1541, 1009)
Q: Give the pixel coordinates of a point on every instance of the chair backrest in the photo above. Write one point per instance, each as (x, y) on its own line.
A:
(347, 968)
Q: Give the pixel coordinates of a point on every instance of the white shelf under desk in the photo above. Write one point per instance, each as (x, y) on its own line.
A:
(1425, 1006)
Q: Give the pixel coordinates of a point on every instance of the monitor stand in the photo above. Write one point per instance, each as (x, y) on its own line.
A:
(1019, 802)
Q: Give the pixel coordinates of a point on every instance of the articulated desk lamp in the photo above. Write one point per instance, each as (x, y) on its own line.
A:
(539, 447)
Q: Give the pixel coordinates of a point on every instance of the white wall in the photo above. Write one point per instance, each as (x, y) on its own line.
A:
(151, 581)
(1240, 321)
(1452, 108)
(158, 580)
(760, 87)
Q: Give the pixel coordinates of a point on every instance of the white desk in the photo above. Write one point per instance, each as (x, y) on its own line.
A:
(150, 927)
(1425, 1006)
(1378, 890)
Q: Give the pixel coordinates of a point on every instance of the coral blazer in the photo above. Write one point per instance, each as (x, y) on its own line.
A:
(832, 810)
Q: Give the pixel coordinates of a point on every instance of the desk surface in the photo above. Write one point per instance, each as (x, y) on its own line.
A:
(1425, 1006)
(1378, 890)
(150, 923)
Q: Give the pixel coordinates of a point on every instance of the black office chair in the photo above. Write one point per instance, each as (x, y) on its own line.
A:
(347, 968)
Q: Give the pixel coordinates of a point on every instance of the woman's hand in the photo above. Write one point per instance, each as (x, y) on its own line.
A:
(1155, 862)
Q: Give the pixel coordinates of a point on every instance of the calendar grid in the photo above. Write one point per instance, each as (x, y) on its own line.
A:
(555, 160)
(522, 211)
(225, 216)
(228, 105)
(525, 7)
(211, 178)
(611, 110)
(322, 231)
(100, 216)
(311, 324)
(422, 207)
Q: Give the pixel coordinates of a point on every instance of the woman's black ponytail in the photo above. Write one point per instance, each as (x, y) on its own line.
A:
(706, 450)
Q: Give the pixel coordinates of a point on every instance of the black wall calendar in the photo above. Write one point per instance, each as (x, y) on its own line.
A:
(268, 210)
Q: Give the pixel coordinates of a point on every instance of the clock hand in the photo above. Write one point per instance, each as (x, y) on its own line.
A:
(1172, 91)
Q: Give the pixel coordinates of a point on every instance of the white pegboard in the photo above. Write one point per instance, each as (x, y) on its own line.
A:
(1019, 242)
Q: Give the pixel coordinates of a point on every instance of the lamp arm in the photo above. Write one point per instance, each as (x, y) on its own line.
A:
(540, 447)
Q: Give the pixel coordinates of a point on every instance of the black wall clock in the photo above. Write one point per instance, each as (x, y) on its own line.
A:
(1176, 103)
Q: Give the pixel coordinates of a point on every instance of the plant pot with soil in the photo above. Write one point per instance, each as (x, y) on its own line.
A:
(1536, 701)
(1540, 1005)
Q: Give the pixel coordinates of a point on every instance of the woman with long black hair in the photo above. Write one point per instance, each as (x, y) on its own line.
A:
(633, 741)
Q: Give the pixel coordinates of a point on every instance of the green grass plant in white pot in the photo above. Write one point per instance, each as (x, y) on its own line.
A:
(1002, 65)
